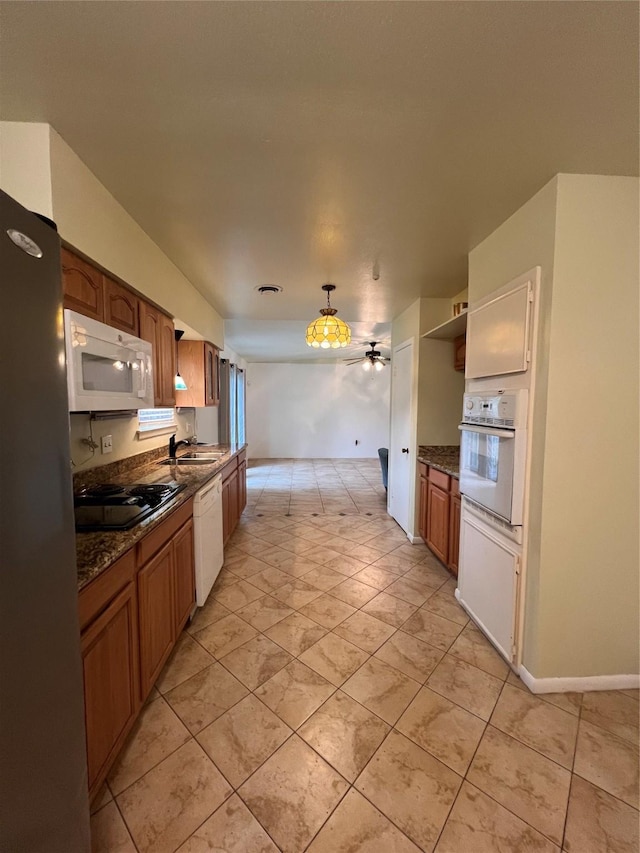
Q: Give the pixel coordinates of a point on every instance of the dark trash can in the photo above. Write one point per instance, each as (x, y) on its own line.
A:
(383, 453)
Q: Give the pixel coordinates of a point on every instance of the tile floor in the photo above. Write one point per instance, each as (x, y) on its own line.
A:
(332, 696)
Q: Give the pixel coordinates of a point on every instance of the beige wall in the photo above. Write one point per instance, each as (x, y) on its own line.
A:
(582, 548)
(25, 167)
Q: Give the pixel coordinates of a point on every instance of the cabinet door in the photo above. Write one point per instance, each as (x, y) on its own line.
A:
(242, 487)
(454, 533)
(120, 307)
(157, 622)
(459, 352)
(438, 522)
(229, 505)
(185, 586)
(150, 331)
(82, 286)
(167, 343)
(211, 386)
(109, 647)
(424, 498)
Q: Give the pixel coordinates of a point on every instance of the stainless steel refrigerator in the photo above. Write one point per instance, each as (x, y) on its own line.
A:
(43, 776)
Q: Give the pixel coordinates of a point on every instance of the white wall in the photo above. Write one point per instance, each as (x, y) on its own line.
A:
(25, 166)
(316, 411)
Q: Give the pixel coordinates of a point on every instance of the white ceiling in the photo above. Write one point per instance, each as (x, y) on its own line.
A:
(299, 143)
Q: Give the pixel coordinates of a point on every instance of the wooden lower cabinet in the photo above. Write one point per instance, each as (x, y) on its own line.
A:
(229, 505)
(242, 487)
(439, 514)
(185, 584)
(157, 622)
(438, 521)
(109, 648)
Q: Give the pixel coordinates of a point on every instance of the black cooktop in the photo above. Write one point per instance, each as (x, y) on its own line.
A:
(111, 507)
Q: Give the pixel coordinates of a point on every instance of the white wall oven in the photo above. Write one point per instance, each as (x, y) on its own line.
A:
(493, 447)
(492, 482)
(107, 370)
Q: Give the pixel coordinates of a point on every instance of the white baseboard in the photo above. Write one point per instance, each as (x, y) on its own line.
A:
(415, 540)
(581, 684)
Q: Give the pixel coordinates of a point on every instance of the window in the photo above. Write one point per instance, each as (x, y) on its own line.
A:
(156, 422)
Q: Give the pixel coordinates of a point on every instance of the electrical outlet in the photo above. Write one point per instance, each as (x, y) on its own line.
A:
(106, 443)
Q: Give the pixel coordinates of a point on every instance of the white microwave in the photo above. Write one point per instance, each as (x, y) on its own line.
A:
(107, 370)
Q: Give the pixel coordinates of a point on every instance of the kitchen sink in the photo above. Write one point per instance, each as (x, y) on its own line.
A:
(193, 459)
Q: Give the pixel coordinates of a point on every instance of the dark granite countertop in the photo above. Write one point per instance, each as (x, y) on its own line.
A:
(96, 551)
(444, 457)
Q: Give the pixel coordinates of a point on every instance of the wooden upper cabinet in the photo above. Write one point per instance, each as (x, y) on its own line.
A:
(82, 286)
(158, 329)
(121, 307)
(198, 362)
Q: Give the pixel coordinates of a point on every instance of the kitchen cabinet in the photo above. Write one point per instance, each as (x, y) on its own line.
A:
(234, 493)
(157, 328)
(199, 367)
(82, 286)
(109, 649)
(242, 486)
(121, 307)
(439, 514)
(166, 591)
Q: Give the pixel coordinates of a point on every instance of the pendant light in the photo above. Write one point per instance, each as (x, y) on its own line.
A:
(178, 382)
(328, 331)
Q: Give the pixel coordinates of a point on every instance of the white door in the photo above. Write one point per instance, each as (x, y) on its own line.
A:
(401, 461)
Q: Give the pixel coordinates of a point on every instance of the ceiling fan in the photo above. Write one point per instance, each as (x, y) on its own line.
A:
(372, 358)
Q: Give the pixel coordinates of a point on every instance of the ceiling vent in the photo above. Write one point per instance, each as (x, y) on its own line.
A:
(269, 288)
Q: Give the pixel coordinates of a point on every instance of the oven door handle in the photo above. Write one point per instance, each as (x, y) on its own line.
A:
(500, 433)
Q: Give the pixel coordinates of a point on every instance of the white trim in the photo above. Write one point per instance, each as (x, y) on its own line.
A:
(152, 432)
(580, 684)
(415, 540)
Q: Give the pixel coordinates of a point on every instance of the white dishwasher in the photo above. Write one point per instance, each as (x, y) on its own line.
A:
(207, 531)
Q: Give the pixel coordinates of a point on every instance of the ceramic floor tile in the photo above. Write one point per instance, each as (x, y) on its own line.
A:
(103, 797)
(356, 825)
(434, 577)
(236, 596)
(171, 801)
(346, 564)
(537, 724)
(479, 824)
(205, 696)
(382, 689)
(473, 647)
(323, 578)
(443, 603)
(297, 593)
(211, 612)
(327, 611)
(296, 633)
(270, 579)
(412, 591)
(187, 658)
(389, 609)
(244, 565)
(570, 702)
(411, 788)
(433, 629)
(256, 661)
(334, 658)
(414, 657)
(364, 631)
(613, 711)
(526, 783)
(466, 685)
(231, 829)
(243, 738)
(445, 730)
(373, 576)
(295, 693)
(607, 761)
(366, 554)
(109, 833)
(225, 635)
(292, 794)
(354, 592)
(598, 822)
(156, 733)
(344, 733)
(264, 612)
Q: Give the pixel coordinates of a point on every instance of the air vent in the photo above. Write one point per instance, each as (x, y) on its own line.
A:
(269, 288)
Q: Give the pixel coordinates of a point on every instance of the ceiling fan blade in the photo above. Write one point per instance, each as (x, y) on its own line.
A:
(352, 361)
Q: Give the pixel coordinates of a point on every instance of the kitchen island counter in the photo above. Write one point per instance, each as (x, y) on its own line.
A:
(444, 457)
(96, 551)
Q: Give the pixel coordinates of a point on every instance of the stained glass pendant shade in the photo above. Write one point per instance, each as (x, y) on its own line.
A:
(328, 331)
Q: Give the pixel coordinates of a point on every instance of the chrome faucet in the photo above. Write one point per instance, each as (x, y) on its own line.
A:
(174, 445)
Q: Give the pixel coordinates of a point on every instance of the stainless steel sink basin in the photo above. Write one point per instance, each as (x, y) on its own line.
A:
(192, 459)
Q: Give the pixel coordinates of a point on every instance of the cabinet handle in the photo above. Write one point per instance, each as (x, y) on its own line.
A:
(405, 449)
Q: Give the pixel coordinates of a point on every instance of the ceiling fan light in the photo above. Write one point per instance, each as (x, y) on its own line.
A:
(379, 365)
(366, 365)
